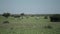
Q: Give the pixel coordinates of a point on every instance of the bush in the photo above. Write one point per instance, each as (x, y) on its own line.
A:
(5, 22)
(45, 17)
(11, 28)
(32, 15)
(49, 27)
(55, 18)
(6, 15)
(22, 14)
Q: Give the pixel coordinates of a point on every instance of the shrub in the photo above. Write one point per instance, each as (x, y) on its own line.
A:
(55, 18)
(5, 22)
(22, 14)
(49, 27)
(11, 28)
(45, 17)
(6, 15)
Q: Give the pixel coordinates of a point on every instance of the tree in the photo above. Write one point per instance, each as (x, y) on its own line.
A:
(6, 15)
(55, 18)
(22, 14)
(46, 17)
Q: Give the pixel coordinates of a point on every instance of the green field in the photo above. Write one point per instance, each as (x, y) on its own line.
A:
(29, 25)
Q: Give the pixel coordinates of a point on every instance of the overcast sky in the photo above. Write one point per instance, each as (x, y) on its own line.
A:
(30, 6)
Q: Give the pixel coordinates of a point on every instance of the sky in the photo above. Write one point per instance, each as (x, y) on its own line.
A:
(30, 6)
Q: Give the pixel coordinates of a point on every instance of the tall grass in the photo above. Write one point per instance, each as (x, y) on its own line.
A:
(28, 26)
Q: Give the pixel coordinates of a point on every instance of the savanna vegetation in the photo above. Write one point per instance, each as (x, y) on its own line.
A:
(28, 24)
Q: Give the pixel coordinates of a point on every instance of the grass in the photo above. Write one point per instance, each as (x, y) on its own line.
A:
(28, 26)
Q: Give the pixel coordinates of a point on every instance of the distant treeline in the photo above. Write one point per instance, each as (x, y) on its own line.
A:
(53, 17)
(30, 14)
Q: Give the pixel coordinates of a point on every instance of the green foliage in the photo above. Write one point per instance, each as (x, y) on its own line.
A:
(5, 22)
(55, 18)
(48, 27)
(29, 26)
(46, 17)
(32, 15)
(22, 14)
(6, 15)
(56, 15)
